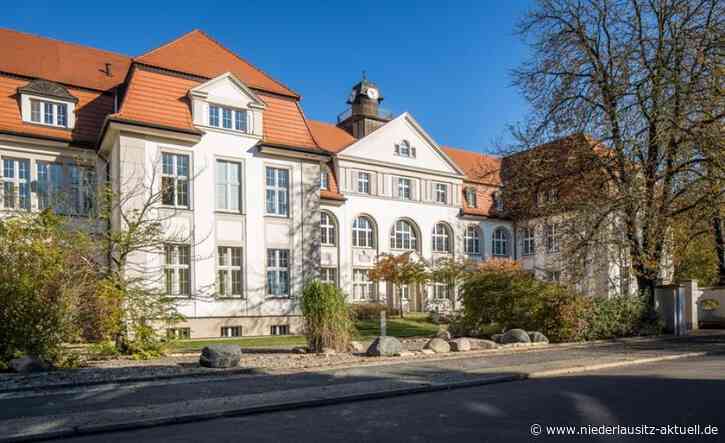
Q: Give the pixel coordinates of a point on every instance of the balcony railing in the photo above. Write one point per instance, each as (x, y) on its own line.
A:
(382, 113)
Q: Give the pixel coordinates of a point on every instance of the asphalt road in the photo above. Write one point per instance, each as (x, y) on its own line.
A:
(680, 392)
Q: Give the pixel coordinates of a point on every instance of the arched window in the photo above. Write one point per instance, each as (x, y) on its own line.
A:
(363, 232)
(327, 228)
(442, 238)
(403, 236)
(500, 244)
(472, 240)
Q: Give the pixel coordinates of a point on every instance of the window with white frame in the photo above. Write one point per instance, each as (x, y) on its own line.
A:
(178, 333)
(442, 291)
(327, 229)
(403, 236)
(500, 244)
(278, 272)
(472, 240)
(551, 237)
(404, 149)
(441, 238)
(228, 185)
(363, 233)
(229, 271)
(231, 331)
(277, 191)
(498, 201)
(471, 199)
(66, 188)
(362, 285)
(228, 118)
(49, 113)
(177, 269)
(324, 179)
(405, 188)
(528, 244)
(553, 276)
(363, 182)
(402, 292)
(328, 275)
(175, 180)
(279, 330)
(441, 193)
(16, 183)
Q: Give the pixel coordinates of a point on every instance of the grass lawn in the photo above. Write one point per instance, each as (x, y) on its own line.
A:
(413, 325)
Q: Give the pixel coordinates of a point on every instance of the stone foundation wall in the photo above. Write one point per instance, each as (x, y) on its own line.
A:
(210, 327)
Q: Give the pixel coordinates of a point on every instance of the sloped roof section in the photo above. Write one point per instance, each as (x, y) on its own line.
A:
(91, 108)
(329, 137)
(71, 64)
(197, 53)
(47, 88)
(479, 168)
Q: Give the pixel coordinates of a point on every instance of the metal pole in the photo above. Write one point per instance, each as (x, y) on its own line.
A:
(383, 324)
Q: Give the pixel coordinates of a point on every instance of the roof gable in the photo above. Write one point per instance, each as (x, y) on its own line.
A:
(380, 146)
(197, 53)
(227, 89)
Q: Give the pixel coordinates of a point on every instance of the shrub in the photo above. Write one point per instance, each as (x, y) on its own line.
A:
(328, 323)
(368, 311)
(502, 296)
(621, 316)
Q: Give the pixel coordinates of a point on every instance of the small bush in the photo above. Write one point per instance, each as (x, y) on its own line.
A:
(709, 304)
(367, 311)
(328, 323)
(613, 317)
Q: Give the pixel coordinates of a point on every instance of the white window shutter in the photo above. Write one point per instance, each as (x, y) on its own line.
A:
(354, 176)
(412, 151)
(373, 183)
(414, 189)
(395, 186)
(397, 149)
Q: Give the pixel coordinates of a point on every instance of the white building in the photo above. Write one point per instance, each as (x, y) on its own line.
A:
(254, 197)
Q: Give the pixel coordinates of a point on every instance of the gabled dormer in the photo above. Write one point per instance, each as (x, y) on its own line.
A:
(226, 104)
(43, 102)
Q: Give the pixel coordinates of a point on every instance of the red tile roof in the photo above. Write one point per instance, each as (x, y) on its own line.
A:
(40, 57)
(91, 109)
(329, 137)
(479, 168)
(197, 53)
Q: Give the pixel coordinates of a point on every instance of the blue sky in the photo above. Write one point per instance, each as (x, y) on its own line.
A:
(448, 63)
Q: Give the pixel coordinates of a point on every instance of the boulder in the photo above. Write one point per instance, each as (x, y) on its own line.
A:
(443, 334)
(478, 344)
(220, 356)
(496, 338)
(356, 347)
(515, 336)
(385, 347)
(460, 345)
(438, 345)
(538, 337)
(28, 364)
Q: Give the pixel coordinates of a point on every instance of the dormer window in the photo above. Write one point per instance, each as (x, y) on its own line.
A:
(498, 201)
(471, 197)
(404, 149)
(228, 118)
(47, 103)
(324, 180)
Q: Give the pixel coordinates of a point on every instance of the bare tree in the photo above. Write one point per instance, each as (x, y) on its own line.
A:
(636, 76)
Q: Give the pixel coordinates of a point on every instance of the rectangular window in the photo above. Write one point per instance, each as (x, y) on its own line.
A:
(363, 182)
(441, 193)
(178, 333)
(553, 276)
(328, 275)
(213, 115)
(362, 286)
(279, 330)
(16, 183)
(528, 245)
(231, 331)
(62, 113)
(69, 189)
(404, 188)
(324, 180)
(229, 271)
(227, 118)
(175, 180)
(442, 291)
(228, 185)
(48, 113)
(277, 191)
(471, 198)
(35, 111)
(240, 120)
(177, 269)
(278, 272)
(551, 238)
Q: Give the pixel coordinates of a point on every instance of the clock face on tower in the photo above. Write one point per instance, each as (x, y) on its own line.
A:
(372, 93)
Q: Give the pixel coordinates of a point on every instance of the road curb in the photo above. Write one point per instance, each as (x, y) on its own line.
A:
(419, 388)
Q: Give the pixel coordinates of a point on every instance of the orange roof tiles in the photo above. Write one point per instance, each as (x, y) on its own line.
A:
(329, 137)
(91, 109)
(197, 53)
(333, 191)
(39, 57)
(480, 168)
(284, 122)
